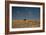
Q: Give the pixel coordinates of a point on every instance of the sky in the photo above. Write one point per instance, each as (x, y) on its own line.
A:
(29, 13)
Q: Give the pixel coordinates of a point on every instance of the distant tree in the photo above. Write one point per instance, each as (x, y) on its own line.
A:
(24, 19)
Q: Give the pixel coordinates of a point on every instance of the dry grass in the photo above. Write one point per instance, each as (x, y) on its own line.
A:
(25, 24)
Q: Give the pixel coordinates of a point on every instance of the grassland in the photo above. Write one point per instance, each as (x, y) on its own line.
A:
(25, 24)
